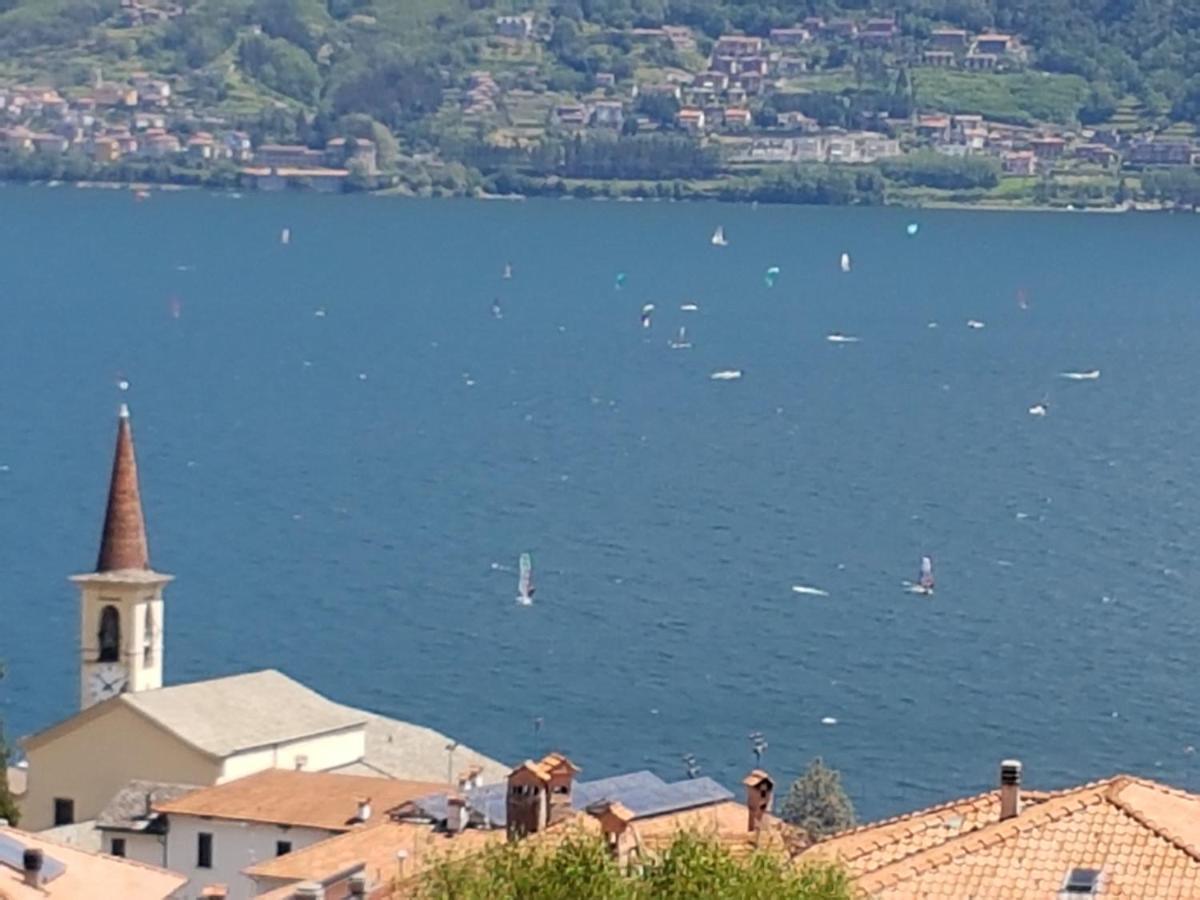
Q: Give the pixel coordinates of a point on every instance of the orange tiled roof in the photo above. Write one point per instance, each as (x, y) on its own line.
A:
(288, 797)
(375, 848)
(1143, 837)
(87, 874)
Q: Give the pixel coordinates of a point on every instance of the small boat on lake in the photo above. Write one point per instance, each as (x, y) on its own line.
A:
(525, 586)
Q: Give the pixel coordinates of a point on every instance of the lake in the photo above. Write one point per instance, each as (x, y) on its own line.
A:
(344, 496)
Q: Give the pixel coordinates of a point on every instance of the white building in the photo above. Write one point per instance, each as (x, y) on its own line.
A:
(215, 833)
(131, 727)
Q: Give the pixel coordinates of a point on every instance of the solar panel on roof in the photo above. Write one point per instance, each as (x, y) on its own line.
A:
(675, 797)
(616, 787)
(12, 854)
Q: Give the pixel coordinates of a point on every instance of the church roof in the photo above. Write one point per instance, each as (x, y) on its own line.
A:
(123, 542)
(404, 750)
(226, 715)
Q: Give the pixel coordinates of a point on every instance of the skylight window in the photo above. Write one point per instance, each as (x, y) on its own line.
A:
(1082, 882)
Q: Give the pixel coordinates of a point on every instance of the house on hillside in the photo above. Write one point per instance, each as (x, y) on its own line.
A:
(952, 40)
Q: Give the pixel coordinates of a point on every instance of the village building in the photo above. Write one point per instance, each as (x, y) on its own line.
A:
(951, 40)
(789, 37)
(691, 120)
(212, 834)
(1121, 837)
(33, 867)
(1019, 162)
(541, 803)
(130, 726)
(1158, 152)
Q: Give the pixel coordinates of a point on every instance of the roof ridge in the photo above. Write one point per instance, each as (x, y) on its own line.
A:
(904, 817)
(1113, 796)
(1051, 810)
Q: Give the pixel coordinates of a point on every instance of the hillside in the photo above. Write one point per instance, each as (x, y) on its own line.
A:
(502, 86)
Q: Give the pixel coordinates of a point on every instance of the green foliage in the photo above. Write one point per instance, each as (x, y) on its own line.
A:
(817, 802)
(694, 867)
(1019, 97)
(1179, 186)
(662, 108)
(387, 85)
(281, 66)
(944, 172)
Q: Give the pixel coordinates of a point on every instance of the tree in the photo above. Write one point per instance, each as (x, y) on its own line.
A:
(8, 804)
(817, 802)
(581, 868)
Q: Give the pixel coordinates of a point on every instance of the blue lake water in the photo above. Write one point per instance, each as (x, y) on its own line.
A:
(347, 530)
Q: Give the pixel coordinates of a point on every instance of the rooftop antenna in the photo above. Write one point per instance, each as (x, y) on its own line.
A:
(538, 722)
(758, 744)
(691, 766)
(450, 748)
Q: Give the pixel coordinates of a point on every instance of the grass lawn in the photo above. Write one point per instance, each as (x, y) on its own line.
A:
(1020, 97)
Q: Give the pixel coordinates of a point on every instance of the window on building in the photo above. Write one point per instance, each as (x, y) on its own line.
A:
(110, 634)
(118, 847)
(64, 811)
(148, 637)
(204, 850)
(282, 848)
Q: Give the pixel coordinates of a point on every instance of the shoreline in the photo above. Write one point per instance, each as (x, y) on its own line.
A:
(391, 193)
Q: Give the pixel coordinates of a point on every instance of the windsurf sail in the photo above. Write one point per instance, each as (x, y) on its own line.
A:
(525, 586)
(926, 579)
(845, 262)
(507, 271)
(718, 238)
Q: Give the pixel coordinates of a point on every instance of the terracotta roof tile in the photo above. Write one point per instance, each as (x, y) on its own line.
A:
(123, 543)
(1143, 837)
(288, 797)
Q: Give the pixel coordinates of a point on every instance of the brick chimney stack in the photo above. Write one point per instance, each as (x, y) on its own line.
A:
(526, 804)
(614, 818)
(760, 791)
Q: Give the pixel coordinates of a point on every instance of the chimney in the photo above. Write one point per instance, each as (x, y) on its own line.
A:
(457, 814)
(364, 809)
(561, 772)
(357, 886)
(614, 818)
(1010, 789)
(214, 892)
(31, 866)
(470, 778)
(760, 791)
(525, 803)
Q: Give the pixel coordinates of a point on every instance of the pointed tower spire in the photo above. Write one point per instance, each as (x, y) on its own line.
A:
(123, 544)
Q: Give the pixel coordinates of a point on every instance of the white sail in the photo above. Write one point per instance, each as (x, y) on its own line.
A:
(525, 586)
(845, 262)
(926, 579)
(718, 238)
(285, 236)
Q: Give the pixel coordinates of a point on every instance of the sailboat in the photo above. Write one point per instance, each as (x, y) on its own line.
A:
(285, 236)
(718, 238)
(845, 262)
(681, 342)
(525, 586)
(924, 583)
(507, 271)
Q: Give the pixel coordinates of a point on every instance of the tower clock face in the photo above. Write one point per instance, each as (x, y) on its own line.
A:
(106, 681)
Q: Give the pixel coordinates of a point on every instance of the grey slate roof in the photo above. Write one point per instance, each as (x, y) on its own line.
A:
(402, 750)
(129, 809)
(225, 715)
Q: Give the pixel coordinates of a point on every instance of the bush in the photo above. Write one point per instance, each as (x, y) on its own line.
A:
(945, 172)
(693, 867)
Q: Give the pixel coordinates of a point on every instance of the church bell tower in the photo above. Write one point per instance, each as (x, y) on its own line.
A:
(121, 602)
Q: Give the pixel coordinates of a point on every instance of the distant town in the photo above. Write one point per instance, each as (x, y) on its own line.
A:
(748, 103)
